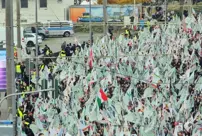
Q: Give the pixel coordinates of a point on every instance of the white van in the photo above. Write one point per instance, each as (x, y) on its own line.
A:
(59, 28)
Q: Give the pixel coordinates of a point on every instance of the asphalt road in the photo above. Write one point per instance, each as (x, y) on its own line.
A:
(55, 42)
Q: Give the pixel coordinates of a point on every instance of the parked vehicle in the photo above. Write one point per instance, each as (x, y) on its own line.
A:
(42, 31)
(117, 17)
(3, 35)
(30, 39)
(59, 28)
(86, 18)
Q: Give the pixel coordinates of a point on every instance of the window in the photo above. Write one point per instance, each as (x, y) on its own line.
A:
(29, 36)
(55, 24)
(24, 3)
(3, 3)
(43, 3)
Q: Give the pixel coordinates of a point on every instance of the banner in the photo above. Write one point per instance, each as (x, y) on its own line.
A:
(114, 13)
(2, 70)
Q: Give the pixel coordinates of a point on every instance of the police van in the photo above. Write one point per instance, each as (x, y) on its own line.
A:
(59, 28)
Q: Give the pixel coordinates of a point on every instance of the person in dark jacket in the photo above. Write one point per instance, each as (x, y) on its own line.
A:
(29, 132)
(83, 44)
(73, 48)
(110, 32)
(45, 49)
(22, 67)
(68, 51)
(33, 30)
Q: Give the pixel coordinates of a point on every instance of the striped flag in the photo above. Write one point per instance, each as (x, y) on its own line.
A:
(102, 97)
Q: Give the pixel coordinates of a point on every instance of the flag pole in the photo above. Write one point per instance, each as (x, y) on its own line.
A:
(90, 27)
(105, 16)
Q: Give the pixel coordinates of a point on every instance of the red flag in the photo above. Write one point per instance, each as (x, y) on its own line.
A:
(91, 59)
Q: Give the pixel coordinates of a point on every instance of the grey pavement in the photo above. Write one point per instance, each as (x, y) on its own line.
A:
(55, 42)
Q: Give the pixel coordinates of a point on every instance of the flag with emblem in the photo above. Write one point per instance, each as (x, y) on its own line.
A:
(102, 97)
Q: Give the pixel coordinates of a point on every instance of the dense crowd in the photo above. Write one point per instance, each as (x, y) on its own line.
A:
(149, 85)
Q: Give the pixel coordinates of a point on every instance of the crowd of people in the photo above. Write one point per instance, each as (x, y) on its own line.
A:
(149, 85)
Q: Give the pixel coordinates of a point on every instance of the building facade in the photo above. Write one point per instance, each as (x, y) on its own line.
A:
(47, 10)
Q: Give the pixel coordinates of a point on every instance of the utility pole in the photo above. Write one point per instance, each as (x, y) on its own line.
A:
(36, 46)
(10, 70)
(134, 21)
(105, 16)
(190, 7)
(8, 50)
(18, 3)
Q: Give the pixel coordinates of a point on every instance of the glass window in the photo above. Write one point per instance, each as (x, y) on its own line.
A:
(28, 36)
(3, 3)
(43, 3)
(24, 3)
(55, 24)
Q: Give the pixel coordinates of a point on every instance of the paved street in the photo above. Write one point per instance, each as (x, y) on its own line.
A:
(55, 42)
